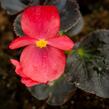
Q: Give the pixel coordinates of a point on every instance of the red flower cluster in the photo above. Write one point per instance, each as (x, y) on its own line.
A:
(43, 59)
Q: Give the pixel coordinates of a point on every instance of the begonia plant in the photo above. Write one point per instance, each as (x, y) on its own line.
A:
(44, 28)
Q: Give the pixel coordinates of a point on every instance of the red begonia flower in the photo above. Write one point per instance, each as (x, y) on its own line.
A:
(43, 59)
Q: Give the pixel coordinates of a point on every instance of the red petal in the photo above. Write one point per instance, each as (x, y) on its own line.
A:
(18, 69)
(25, 80)
(28, 82)
(42, 65)
(62, 42)
(40, 21)
(20, 42)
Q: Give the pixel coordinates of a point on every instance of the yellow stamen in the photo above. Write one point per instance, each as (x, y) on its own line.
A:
(41, 43)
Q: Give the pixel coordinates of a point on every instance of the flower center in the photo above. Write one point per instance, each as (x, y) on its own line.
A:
(41, 43)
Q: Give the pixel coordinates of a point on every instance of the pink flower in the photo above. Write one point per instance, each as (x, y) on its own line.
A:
(43, 59)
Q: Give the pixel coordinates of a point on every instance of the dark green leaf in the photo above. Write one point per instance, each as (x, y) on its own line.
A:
(12, 6)
(61, 91)
(76, 28)
(17, 26)
(71, 18)
(90, 63)
(39, 91)
(56, 93)
(15, 6)
(59, 3)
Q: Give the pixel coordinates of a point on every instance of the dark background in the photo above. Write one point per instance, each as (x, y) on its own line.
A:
(14, 95)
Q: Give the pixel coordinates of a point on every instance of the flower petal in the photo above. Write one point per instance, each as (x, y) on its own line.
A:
(40, 21)
(62, 42)
(28, 82)
(20, 42)
(42, 65)
(18, 69)
(24, 79)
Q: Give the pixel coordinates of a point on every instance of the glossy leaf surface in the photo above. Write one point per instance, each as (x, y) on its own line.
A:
(56, 93)
(90, 63)
(15, 6)
(17, 26)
